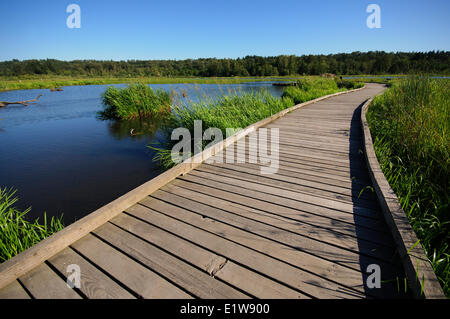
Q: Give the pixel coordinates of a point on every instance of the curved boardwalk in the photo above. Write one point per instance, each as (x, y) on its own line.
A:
(228, 231)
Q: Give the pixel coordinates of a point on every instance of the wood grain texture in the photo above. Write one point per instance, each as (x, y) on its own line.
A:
(14, 291)
(43, 283)
(94, 283)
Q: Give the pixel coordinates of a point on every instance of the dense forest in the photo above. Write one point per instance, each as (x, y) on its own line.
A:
(379, 62)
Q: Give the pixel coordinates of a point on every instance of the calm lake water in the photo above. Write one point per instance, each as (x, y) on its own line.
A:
(63, 159)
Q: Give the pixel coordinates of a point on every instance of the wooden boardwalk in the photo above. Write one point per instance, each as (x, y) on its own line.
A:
(228, 231)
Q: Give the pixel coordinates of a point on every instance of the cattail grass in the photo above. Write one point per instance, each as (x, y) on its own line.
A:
(410, 127)
(16, 232)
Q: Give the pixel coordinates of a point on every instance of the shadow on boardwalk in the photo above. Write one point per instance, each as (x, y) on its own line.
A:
(392, 274)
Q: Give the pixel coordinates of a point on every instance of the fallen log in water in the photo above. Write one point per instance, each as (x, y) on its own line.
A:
(25, 103)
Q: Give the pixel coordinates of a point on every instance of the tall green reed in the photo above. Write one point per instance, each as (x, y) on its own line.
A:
(16, 232)
(135, 101)
(233, 111)
(410, 127)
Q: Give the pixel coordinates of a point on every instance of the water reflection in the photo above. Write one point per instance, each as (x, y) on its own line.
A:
(137, 129)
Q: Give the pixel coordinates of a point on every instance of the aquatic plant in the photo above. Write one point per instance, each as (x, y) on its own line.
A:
(135, 101)
(16, 232)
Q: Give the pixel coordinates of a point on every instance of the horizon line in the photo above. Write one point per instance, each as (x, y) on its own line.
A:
(229, 58)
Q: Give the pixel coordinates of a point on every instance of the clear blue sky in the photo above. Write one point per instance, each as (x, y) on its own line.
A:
(149, 29)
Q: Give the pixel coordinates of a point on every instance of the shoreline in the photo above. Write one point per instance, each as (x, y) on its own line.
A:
(46, 82)
(11, 84)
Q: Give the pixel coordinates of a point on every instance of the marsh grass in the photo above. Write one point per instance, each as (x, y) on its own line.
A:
(349, 84)
(235, 111)
(48, 82)
(410, 127)
(229, 111)
(310, 89)
(16, 232)
(134, 101)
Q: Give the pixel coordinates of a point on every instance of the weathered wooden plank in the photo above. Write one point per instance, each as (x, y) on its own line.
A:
(324, 151)
(93, 283)
(368, 218)
(298, 137)
(369, 249)
(288, 164)
(294, 153)
(282, 184)
(303, 159)
(255, 284)
(43, 283)
(136, 277)
(349, 184)
(211, 263)
(281, 244)
(319, 125)
(291, 132)
(255, 170)
(271, 267)
(337, 147)
(13, 291)
(191, 279)
(313, 240)
(179, 247)
(283, 193)
(310, 155)
(313, 136)
(316, 224)
(325, 131)
(265, 204)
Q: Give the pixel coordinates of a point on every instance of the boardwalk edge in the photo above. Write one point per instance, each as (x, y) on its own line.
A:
(421, 278)
(20, 264)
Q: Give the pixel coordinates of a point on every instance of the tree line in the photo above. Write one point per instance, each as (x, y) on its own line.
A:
(373, 62)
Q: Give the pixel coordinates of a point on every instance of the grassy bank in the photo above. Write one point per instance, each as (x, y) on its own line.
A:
(135, 101)
(48, 82)
(239, 111)
(410, 128)
(16, 232)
